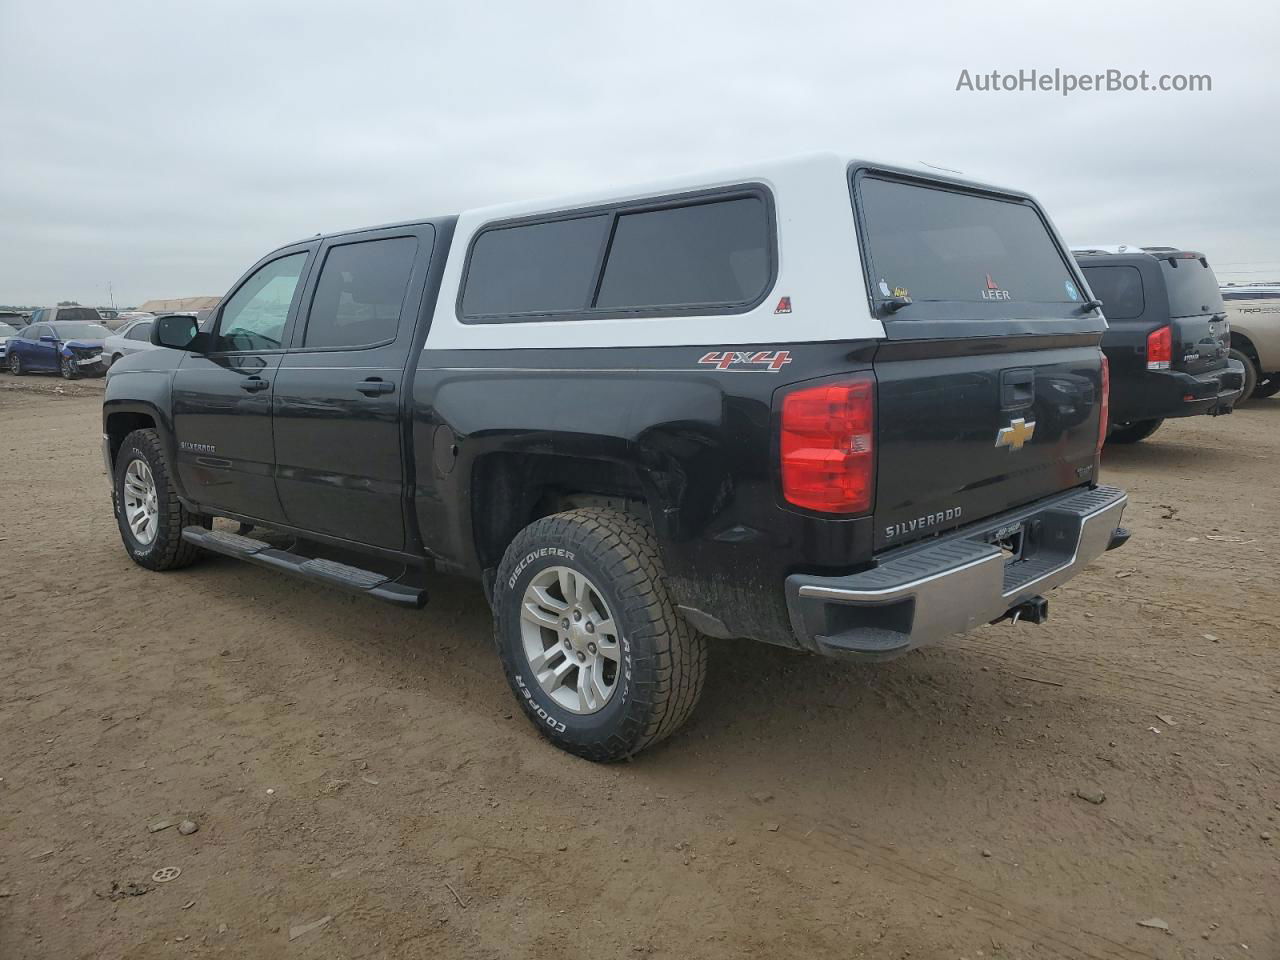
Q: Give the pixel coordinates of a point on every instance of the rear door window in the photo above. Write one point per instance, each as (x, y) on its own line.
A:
(360, 293)
(709, 253)
(938, 245)
(1193, 289)
(1120, 290)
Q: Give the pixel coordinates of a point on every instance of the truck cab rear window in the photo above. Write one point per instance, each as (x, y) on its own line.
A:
(934, 244)
(715, 254)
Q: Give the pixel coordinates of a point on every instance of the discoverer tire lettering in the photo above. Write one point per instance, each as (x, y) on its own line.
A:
(661, 664)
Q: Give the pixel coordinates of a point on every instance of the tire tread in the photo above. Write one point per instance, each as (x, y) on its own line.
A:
(626, 548)
(175, 552)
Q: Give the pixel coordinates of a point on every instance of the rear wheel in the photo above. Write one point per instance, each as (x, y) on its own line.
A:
(1268, 385)
(15, 365)
(69, 369)
(589, 638)
(148, 512)
(1134, 431)
(1250, 374)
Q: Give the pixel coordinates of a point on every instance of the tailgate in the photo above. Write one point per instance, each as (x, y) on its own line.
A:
(1198, 318)
(990, 382)
(964, 434)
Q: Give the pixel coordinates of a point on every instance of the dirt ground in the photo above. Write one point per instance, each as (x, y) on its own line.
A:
(348, 760)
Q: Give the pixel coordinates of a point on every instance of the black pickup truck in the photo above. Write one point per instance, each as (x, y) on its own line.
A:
(833, 405)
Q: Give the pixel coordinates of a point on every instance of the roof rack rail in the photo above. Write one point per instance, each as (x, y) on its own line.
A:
(1107, 248)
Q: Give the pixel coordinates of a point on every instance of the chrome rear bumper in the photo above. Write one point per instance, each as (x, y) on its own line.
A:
(925, 592)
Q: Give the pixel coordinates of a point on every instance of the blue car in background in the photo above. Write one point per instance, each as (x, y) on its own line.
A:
(70, 347)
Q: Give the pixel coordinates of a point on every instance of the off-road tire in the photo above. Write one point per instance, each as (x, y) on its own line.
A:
(1250, 374)
(67, 367)
(663, 662)
(15, 365)
(1133, 432)
(168, 551)
(1268, 385)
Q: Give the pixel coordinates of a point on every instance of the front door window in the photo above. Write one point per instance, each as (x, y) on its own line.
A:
(254, 317)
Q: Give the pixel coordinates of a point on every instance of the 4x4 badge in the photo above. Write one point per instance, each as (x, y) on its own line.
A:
(762, 361)
(1016, 434)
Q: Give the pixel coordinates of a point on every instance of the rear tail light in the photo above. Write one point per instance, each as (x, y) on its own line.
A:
(828, 446)
(1159, 349)
(1104, 405)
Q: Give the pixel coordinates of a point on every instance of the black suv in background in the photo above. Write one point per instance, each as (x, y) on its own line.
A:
(1168, 339)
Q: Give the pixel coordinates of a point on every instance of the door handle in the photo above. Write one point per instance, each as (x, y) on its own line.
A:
(254, 384)
(1017, 389)
(374, 386)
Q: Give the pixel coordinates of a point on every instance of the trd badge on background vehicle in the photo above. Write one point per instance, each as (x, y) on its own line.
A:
(1016, 434)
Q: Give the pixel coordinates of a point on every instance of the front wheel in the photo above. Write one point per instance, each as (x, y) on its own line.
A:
(589, 637)
(15, 365)
(1134, 431)
(1267, 386)
(148, 512)
(69, 369)
(1250, 374)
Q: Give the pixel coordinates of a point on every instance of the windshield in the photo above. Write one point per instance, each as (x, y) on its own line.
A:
(7, 331)
(931, 243)
(1193, 289)
(80, 331)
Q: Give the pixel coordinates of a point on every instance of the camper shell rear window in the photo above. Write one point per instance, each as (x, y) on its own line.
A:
(958, 253)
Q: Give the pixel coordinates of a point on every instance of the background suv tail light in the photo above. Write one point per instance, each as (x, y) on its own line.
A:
(828, 437)
(1104, 404)
(1159, 349)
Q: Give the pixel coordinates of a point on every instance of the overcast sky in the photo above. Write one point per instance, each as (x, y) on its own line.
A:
(164, 147)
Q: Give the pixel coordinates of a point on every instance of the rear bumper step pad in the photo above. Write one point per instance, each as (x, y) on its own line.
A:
(327, 572)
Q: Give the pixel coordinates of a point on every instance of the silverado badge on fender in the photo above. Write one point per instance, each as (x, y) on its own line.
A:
(1016, 434)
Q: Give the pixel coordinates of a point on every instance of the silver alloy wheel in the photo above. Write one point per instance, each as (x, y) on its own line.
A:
(570, 640)
(141, 503)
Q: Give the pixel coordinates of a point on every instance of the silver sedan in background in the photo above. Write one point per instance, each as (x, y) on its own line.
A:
(133, 337)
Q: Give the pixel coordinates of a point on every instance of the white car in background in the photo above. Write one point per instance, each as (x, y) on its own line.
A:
(133, 337)
(7, 330)
(1254, 313)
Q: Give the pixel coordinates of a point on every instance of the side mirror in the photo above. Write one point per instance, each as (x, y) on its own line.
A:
(47, 338)
(174, 332)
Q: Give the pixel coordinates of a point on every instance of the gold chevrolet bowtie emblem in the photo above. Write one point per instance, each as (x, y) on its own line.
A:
(1016, 434)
